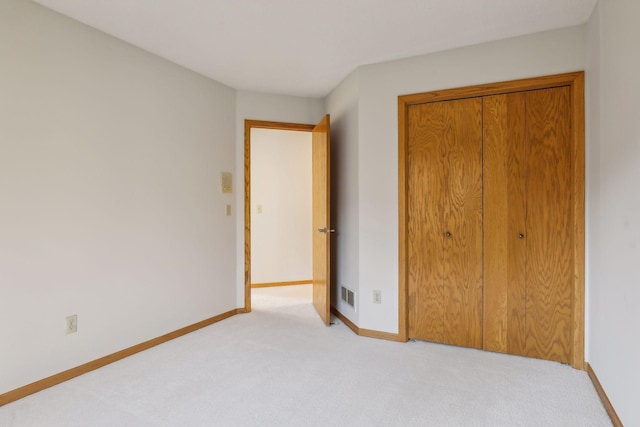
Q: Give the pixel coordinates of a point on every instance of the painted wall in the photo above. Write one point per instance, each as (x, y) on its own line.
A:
(262, 106)
(281, 229)
(110, 202)
(109, 180)
(379, 86)
(614, 203)
(342, 104)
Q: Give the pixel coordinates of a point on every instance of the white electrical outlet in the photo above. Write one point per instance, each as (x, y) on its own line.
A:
(377, 297)
(72, 324)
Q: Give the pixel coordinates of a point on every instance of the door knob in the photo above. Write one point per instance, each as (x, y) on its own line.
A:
(520, 236)
(448, 234)
(325, 230)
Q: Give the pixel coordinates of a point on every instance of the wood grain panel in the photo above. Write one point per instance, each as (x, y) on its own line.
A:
(517, 169)
(496, 230)
(444, 232)
(321, 218)
(425, 189)
(549, 225)
(505, 153)
(462, 222)
(574, 84)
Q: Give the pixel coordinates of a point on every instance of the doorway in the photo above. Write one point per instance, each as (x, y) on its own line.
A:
(320, 229)
(281, 209)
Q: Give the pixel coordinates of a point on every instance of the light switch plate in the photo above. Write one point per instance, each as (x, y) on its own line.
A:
(226, 180)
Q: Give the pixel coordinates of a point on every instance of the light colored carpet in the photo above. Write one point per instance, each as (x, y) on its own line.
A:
(280, 366)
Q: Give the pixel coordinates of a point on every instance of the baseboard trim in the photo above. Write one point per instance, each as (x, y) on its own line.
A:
(272, 284)
(369, 333)
(381, 335)
(603, 396)
(60, 377)
(345, 320)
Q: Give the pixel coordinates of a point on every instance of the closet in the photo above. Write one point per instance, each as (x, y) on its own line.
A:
(492, 217)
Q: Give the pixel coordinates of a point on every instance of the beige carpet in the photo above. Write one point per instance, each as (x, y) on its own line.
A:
(280, 366)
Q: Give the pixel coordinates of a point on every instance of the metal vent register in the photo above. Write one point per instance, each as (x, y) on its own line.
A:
(348, 296)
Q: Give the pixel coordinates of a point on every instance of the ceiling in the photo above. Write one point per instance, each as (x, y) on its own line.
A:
(306, 48)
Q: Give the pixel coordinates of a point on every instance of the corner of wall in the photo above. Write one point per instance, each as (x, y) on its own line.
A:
(342, 103)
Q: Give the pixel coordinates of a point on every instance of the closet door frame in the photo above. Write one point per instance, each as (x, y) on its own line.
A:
(575, 81)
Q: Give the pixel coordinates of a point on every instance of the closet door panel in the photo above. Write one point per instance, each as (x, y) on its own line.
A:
(425, 185)
(444, 180)
(549, 225)
(505, 165)
(462, 228)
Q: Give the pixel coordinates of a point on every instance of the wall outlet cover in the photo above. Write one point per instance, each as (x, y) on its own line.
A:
(72, 324)
(377, 297)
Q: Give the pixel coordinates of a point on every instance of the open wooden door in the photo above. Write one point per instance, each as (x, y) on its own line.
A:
(321, 219)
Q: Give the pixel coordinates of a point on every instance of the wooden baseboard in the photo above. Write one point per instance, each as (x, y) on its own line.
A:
(603, 396)
(365, 332)
(272, 284)
(58, 378)
(346, 321)
(381, 335)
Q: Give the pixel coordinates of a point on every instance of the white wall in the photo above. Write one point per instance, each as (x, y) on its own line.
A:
(262, 106)
(281, 230)
(379, 86)
(614, 206)
(109, 185)
(342, 104)
(110, 205)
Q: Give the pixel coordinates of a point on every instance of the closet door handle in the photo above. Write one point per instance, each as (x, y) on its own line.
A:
(520, 236)
(448, 234)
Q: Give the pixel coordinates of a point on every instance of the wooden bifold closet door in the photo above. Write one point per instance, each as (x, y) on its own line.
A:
(492, 216)
(445, 222)
(528, 224)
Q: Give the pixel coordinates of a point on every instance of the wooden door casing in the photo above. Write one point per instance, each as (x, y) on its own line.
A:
(248, 126)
